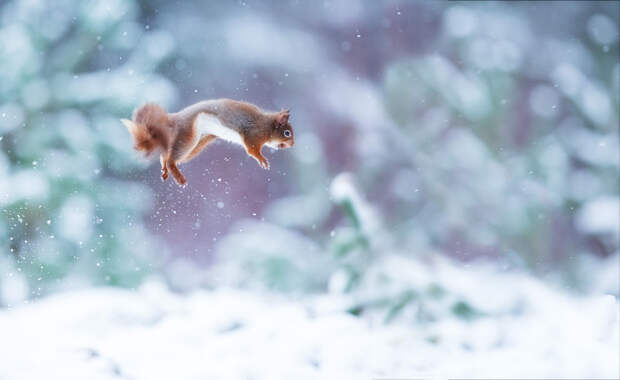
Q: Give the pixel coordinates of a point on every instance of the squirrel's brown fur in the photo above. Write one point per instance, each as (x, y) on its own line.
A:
(182, 135)
(151, 130)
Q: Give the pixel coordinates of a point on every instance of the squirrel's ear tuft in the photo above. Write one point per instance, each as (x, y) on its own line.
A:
(282, 118)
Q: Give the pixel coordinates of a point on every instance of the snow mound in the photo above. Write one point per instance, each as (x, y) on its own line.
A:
(154, 334)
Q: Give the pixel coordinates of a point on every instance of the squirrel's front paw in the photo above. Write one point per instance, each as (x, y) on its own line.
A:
(164, 175)
(264, 163)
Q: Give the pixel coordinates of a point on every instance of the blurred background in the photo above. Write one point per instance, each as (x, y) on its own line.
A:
(474, 131)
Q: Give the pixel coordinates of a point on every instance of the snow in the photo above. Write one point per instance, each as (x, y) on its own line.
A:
(75, 219)
(600, 216)
(253, 39)
(11, 117)
(544, 101)
(151, 333)
(602, 29)
(25, 184)
(459, 21)
(343, 189)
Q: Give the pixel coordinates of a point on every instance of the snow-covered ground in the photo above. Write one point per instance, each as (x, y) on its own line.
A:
(151, 333)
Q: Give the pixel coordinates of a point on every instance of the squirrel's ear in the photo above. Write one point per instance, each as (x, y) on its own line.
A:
(131, 126)
(282, 118)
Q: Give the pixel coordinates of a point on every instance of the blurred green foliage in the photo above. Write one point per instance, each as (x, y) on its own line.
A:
(470, 129)
(69, 209)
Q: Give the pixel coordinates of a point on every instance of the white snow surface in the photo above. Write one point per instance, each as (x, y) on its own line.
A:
(151, 333)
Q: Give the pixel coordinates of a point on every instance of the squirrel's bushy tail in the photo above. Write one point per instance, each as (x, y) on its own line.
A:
(149, 128)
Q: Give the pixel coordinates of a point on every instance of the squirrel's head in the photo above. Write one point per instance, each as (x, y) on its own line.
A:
(282, 135)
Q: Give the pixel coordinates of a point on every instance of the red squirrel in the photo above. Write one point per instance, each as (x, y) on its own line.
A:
(182, 135)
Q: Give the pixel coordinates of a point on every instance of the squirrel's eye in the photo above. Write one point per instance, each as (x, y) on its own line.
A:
(287, 133)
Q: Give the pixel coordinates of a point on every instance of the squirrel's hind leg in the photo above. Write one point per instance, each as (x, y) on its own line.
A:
(164, 167)
(176, 173)
(181, 147)
(202, 143)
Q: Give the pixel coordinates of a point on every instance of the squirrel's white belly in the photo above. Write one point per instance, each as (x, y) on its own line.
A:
(207, 124)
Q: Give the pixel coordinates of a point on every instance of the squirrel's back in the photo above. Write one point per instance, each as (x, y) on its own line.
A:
(232, 113)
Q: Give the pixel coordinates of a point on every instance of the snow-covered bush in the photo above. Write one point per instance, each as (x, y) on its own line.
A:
(70, 208)
(472, 150)
(488, 132)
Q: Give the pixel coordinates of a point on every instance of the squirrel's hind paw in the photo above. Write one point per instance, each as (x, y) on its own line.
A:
(182, 182)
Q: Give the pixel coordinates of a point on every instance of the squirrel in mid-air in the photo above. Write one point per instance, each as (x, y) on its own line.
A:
(180, 136)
